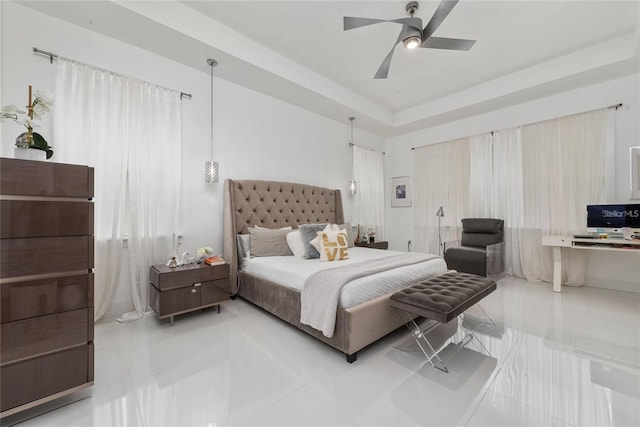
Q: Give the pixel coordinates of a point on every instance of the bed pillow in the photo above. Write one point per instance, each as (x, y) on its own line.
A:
(310, 232)
(296, 243)
(267, 228)
(268, 242)
(351, 235)
(333, 245)
(243, 241)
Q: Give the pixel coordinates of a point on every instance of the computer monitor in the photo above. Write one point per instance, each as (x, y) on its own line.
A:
(613, 218)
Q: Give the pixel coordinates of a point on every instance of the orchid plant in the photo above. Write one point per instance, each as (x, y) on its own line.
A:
(29, 118)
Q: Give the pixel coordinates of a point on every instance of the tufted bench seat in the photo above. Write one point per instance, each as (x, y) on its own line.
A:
(442, 299)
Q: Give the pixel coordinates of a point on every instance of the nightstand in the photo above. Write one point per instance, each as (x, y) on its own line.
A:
(188, 288)
(374, 245)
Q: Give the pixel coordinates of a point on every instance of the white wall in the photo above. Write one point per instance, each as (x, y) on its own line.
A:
(612, 269)
(256, 136)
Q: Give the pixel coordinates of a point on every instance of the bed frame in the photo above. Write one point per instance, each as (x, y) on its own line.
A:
(279, 204)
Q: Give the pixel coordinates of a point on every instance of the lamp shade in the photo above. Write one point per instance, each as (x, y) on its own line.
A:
(211, 171)
(353, 187)
(440, 212)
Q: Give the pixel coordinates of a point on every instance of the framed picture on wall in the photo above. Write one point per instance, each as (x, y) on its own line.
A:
(401, 192)
(634, 154)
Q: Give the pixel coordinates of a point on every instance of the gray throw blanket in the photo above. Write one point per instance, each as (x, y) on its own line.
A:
(321, 291)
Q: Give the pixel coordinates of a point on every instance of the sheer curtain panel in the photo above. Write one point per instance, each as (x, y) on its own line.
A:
(441, 179)
(129, 131)
(368, 171)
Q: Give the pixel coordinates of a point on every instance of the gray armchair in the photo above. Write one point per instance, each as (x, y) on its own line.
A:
(481, 250)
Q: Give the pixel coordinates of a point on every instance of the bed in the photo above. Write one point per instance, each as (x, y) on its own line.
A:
(273, 205)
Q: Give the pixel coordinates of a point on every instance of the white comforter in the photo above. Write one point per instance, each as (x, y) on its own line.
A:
(292, 272)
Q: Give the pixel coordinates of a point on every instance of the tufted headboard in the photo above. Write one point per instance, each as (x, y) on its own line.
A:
(273, 204)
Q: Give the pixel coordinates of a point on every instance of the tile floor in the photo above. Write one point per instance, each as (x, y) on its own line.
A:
(556, 359)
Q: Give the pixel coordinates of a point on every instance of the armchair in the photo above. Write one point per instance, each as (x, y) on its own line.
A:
(481, 250)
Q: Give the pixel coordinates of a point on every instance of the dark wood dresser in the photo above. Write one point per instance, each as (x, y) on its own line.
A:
(183, 289)
(46, 282)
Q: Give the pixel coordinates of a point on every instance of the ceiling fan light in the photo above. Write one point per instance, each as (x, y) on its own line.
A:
(412, 42)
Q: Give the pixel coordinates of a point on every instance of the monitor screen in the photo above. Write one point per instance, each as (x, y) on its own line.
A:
(613, 217)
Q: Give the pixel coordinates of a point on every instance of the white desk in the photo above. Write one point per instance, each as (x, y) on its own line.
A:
(559, 242)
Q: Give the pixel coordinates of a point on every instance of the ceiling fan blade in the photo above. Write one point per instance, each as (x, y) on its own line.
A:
(448, 43)
(383, 70)
(351, 22)
(444, 8)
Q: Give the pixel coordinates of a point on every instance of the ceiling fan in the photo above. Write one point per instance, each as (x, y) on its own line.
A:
(412, 34)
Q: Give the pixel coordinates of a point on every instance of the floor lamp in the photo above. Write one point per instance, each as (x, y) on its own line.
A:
(440, 215)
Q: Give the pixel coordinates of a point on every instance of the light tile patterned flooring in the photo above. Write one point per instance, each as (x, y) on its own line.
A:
(556, 359)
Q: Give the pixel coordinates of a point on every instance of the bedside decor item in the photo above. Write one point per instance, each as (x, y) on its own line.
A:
(204, 252)
(211, 167)
(36, 108)
(401, 192)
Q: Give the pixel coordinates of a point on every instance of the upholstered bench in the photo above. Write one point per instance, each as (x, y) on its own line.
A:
(441, 299)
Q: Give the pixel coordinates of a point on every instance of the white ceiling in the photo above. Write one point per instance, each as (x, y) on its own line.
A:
(297, 51)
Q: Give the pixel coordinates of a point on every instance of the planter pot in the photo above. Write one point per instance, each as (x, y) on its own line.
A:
(29, 154)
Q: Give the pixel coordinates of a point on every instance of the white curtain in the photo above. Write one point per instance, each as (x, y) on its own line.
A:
(481, 176)
(441, 173)
(129, 131)
(563, 170)
(507, 194)
(368, 172)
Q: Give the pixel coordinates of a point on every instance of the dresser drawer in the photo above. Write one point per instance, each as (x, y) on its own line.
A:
(22, 257)
(34, 379)
(23, 300)
(29, 178)
(45, 334)
(31, 218)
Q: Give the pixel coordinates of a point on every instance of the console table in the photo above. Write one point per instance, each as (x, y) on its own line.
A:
(559, 242)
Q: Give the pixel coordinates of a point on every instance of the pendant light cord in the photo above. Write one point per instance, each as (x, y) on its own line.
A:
(351, 119)
(212, 63)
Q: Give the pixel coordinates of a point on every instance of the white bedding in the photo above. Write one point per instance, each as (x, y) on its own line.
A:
(292, 272)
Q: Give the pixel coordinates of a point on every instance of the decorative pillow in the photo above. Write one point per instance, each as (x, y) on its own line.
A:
(268, 242)
(309, 232)
(296, 243)
(351, 233)
(243, 241)
(333, 245)
(315, 242)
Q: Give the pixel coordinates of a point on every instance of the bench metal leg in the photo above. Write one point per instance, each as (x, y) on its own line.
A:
(420, 338)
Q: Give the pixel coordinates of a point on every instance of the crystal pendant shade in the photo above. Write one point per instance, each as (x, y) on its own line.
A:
(353, 187)
(211, 171)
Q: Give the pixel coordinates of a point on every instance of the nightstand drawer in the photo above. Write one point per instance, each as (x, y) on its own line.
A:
(215, 291)
(165, 278)
(167, 303)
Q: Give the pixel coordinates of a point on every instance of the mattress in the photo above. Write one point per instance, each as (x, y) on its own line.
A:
(292, 272)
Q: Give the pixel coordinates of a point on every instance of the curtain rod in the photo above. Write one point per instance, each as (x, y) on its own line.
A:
(53, 56)
(614, 106)
(365, 148)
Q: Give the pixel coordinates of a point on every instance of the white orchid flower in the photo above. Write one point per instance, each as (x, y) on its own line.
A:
(45, 98)
(10, 109)
(200, 252)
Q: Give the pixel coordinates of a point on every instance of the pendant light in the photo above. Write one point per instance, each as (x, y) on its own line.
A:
(353, 185)
(211, 167)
